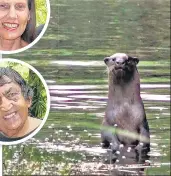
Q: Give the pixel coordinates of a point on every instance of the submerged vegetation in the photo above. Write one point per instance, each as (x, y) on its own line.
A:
(66, 152)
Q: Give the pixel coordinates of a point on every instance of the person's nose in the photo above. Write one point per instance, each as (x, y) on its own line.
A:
(12, 12)
(5, 104)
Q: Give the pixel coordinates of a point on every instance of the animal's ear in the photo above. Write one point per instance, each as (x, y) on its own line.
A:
(134, 59)
(106, 60)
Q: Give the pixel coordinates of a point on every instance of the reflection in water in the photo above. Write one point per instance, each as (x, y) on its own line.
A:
(90, 96)
(77, 63)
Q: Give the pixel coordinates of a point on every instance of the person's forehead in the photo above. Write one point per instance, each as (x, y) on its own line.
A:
(14, 1)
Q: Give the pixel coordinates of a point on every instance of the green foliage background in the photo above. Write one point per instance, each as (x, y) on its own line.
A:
(41, 12)
(39, 101)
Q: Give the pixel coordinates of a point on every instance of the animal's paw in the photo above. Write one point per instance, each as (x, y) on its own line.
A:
(142, 147)
(142, 152)
(114, 158)
(139, 147)
(114, 147)
(105, 144)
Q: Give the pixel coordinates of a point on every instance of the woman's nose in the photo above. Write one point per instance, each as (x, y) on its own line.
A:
(5, 104)
(12, 12)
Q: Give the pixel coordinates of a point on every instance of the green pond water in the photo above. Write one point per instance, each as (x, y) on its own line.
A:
(70, 58)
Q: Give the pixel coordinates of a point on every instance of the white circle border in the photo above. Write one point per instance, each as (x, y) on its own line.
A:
(47, 105)
(37, 38)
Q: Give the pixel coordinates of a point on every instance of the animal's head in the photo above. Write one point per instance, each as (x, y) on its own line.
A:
(121, 66)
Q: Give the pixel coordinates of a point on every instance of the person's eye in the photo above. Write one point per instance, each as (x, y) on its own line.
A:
(4, 6)
(12, 95)
(20, 6)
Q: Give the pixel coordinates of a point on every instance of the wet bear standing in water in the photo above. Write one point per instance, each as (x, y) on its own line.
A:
(125, 109)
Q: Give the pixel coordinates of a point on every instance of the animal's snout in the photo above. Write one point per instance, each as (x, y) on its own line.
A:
(120, 62)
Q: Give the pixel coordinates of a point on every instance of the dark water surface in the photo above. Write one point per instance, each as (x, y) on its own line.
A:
(70, 58)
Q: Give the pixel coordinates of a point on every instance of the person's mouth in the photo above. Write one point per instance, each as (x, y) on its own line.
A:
(9, 116)
(10, 26)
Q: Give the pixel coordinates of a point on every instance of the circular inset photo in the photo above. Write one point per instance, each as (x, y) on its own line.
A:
(24, 101)
(22, 24)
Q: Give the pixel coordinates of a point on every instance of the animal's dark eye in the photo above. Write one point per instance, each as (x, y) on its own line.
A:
(113, 59)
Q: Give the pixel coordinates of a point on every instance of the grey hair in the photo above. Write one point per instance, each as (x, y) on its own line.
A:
(8, 75)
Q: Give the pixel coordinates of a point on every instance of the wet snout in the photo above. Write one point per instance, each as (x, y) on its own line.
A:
(119, 62)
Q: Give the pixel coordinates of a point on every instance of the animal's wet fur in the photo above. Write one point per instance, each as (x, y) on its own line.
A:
(125, 109)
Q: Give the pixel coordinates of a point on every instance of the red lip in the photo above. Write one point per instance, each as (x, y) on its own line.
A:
(10, 29)
(10, 26)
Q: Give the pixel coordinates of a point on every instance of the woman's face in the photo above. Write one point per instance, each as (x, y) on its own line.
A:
(14, 15)
(13, 108)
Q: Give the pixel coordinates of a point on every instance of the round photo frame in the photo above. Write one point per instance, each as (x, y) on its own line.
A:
(37, 38)
(47, 104)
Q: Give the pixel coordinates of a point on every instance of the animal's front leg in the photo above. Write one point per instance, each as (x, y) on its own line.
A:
(110, 140)
(144, 143)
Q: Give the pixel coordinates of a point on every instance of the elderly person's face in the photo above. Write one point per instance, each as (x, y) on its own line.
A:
(14, 15)
(13, 108)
